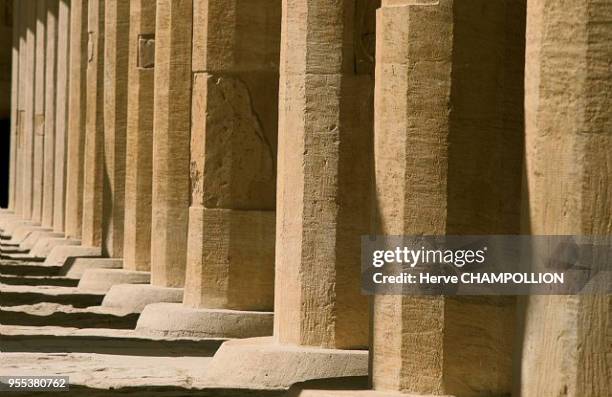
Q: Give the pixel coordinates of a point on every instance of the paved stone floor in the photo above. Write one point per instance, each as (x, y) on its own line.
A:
(47, 328)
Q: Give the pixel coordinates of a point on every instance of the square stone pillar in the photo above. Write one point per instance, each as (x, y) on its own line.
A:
(50, 109)
(27, 157)
(77, 106)
(171, 135)
(568, 113)
(14, 104)
(21, 102)
(39, 111)
(323, 201)
(233, 155)
(93, 178)
(61, 116)
(448, 159)
(139, 147)
(230, 251)
(116, 49)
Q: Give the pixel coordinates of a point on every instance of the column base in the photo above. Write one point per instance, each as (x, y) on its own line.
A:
(9, 227)
(60, 255)
(177, 320)
(77, 267)
(355, 393)
(44, 246)
(29, 242)
(102, 278)
(23, 232)
(261, 363)
(134, 297)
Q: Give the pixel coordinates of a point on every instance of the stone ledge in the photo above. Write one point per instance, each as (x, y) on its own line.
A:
(135, 297)
(102, 279)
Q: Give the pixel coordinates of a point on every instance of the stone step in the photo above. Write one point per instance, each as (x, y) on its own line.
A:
(107, 375)
(17, 295)
(10, 279)
(21, 258)
(52, 339)
(27, 269)
(50, 314)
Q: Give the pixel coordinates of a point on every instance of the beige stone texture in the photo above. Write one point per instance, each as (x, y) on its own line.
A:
(101, 279)
(230, 257)
(76, 117)
(6, 50)
(27, 153)
(21, 102)
(135, 297)
(448, 150)
(116, 50)
(39, 111)
(171, 136)
(139, 147)
(61, 116)
(50, 109)
(324, 177)
(568, 113)
(15, 31)
(44, 246)
(94, 178)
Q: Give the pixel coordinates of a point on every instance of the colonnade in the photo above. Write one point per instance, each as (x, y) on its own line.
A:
(217, 161)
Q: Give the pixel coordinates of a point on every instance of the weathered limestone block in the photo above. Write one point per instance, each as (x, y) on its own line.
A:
(61, 117)
(93, 179)
(77, 106)
(172, 108)
(16, 4)
(50, 109)
(27, 153)
(448, 160)
(39, 111)
(568, 170)
(116, 50)
(233, 152)
(139, 147)
(21, 99)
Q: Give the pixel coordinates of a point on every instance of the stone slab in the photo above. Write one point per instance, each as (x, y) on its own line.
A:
(101, 280)
(37, 280)
(135, 297)
(174, 319)
(75, 268)
(29, 242)
(263, 364)
(22, 232)
(60, 254)
(17, 295)
(44, 246)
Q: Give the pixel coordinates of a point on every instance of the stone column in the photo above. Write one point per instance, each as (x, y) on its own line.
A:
(170, 165)
(76, 117)
(39, 111)
(323, 203)
(139, 148)
(568, 113)
(61, 118)
(116, 50)
(14, 104)
(21, 119)
(172, 107)
(27, 158)
(448, 160)
(50, 109)
(93, 183)
(230, 256)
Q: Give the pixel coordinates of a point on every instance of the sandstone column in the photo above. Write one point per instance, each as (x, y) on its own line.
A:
(170, 205)
(323, 203)
(27, 157)
(76, 117)
(20, 133)
(170, 158)
(448, 159)
(116, 50)
(139, 147)
(568, 112)
(93, 179)
(39, 111)
(230, 257)
(14, 104)
(61, 118)
(50, 109)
